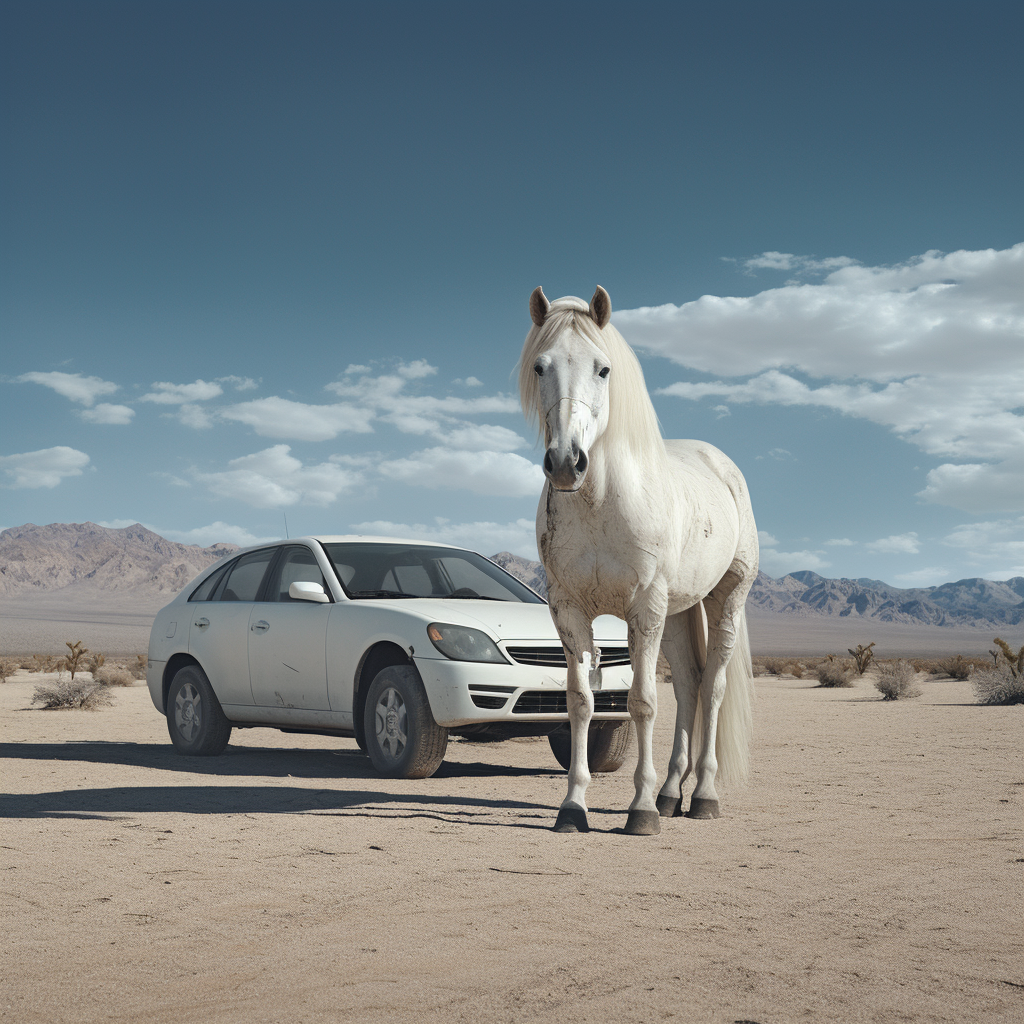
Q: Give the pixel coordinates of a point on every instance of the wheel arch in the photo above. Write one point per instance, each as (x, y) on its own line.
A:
(174, 663)
(380, 656)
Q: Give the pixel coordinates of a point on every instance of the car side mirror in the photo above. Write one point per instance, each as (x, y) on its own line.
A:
(308, 592)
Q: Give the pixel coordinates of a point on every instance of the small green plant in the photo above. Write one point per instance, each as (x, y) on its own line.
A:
(862, 656)
(956, 667)
(896, 680)
(834, 673)
(66, 693)
(73, 659)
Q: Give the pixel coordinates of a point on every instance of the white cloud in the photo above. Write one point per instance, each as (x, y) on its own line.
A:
(996, 543)
(497, 474)
(164, 393)
(44, 468)
(84, 390)
(469, 382)
(778, 563)
(839, 542)
(722, 410)
(238, 383)
(483, 437)
(933, 349)
(298, 421)
(115, 415)
(519, 536)
(901, 544)
(194, 416)
(273, 478)
(800, 264)
(357, 368)
(929, 577)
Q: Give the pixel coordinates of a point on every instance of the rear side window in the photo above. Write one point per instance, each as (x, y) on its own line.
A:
(243, 579)
(207, 587)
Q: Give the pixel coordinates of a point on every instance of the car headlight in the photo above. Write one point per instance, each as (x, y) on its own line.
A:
(462, 644)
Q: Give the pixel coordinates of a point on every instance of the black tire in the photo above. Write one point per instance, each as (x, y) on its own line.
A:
(402, 738)
(195, 718)
(607, 745)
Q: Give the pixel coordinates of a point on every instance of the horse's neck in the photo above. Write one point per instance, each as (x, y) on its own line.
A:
(620, 474)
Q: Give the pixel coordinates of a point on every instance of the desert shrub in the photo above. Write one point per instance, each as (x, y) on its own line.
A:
(73, 659)
(95, 662)
(896, 680)
(862, 656)
(114, 675)
(8, 666)
(998, 686)
(43, 663)
(138, 669)
(774, 666)
(68, 693)
(795, 669)
(835, 673)
(956, 667)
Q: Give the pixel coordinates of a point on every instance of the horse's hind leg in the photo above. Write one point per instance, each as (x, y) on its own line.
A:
(685, 653)
(724, 606)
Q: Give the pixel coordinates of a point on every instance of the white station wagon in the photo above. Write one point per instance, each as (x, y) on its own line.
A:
(394, 642)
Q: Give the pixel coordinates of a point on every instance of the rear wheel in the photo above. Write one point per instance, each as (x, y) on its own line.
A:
(607, 745)
(195, 719)
(402, 738)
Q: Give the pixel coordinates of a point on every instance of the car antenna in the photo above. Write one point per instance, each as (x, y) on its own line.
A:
(285, 514)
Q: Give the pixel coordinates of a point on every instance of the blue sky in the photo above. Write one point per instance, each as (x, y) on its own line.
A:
(271, 259)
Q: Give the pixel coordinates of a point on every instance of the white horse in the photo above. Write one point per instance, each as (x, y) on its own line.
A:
(652, 531)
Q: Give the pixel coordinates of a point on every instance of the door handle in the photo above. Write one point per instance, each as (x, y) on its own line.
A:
(260, 627)
(202, 623)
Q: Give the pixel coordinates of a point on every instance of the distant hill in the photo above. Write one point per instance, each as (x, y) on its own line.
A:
(71, 561)
(970, 602)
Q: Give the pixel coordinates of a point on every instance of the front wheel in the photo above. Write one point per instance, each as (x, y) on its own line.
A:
(607, 745)
(195, 719)
(402, 738)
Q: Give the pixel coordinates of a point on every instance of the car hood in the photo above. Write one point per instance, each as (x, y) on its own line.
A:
(506, 620)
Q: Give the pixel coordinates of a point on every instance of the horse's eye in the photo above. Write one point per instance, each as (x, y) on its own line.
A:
(539, 370)
(605, 372)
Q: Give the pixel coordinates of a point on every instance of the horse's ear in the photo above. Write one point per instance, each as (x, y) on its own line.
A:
(539, 306)
(600, 307)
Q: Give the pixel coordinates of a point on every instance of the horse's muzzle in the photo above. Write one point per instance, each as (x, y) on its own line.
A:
(566, 470)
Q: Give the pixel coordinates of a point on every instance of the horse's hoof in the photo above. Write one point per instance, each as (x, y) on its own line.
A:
(703, 808)
(643, 823)
(669, 806)
(571, 819)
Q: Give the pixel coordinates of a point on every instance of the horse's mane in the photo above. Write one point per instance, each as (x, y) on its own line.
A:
(631, 416)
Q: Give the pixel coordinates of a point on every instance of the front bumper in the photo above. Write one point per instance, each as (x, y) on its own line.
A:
(467, 693)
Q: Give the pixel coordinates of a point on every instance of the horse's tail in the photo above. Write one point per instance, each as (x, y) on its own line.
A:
(735, 716)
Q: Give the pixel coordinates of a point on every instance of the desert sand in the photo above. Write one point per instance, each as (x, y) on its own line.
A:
(870, 871)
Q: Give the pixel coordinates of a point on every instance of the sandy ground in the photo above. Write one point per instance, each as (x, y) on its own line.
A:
(870, 871)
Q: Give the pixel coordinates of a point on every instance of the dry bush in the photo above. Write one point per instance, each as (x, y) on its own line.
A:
(8, 666)
(862, 656)
(43, 663)
(998, 686)
(835, 673)
(795, 669)
(73, 659)
(896, 680)
(774, 666)
(139, 668)
(94, 662)
(114, 675)
(957, 667)
(67, 693)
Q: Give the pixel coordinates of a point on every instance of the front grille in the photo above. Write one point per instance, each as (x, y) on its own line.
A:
(554, 657)
(553, 702)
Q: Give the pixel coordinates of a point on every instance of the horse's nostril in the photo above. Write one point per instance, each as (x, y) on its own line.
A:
(581, 462)
(549, 466)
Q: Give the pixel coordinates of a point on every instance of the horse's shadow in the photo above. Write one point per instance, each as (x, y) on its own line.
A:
(257, 762)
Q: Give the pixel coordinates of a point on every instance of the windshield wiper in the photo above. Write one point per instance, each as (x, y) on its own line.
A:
(469, 597)
(379, 593)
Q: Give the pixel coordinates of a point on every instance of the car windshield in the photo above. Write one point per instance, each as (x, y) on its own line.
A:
(369, 571)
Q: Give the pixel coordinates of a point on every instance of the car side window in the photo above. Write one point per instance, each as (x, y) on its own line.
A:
(205, 589)
(296, 565)
(243, 579)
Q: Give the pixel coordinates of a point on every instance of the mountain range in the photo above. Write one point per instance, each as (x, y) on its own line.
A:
(971, 602)
(82, 562)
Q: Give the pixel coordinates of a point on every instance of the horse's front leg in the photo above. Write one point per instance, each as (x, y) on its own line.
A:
(645, 629)
(580, 655)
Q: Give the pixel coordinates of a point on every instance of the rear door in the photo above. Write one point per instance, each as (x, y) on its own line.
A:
(218, 635)
(288, 638)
